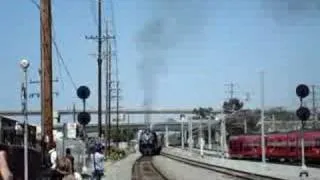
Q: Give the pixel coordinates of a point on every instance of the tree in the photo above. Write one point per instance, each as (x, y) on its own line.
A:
(203, 113)
(235, 123)
(232, 105)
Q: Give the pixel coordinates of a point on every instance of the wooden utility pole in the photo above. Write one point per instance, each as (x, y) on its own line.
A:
(100, 39)
(46, 68)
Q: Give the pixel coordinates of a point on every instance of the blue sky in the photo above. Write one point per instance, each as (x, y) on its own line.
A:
(217, 42)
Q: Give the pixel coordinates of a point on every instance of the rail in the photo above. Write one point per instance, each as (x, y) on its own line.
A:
(223, 170)
(143, 168)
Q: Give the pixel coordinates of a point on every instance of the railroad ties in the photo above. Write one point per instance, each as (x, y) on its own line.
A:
(143, 169)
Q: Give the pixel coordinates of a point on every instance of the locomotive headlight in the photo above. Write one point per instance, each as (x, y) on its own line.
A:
(18, 129)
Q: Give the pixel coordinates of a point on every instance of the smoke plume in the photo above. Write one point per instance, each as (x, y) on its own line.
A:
(291, 12)
(170, 22)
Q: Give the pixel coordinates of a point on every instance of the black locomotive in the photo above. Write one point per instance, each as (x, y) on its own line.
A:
(12, 141)
(149, 142)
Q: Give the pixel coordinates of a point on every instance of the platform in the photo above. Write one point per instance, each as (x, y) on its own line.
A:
(274, 170)
(121, 169)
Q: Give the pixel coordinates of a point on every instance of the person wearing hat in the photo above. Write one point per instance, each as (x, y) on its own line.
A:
(98, 162)
(64, 169)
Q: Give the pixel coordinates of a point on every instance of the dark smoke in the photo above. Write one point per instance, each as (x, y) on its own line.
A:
(170, 22)
(291, 12)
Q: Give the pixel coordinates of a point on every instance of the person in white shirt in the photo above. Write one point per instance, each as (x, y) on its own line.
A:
(97, 160)
(53, 156)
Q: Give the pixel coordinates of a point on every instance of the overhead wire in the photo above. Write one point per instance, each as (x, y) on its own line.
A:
(59, 55)
(93, 11)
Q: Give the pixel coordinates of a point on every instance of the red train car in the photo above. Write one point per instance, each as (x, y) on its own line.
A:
(279, 146)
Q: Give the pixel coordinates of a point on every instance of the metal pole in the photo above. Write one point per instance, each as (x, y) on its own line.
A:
(99, 70)
(63, 138)
(74, 113)
(245, 125)
(209, 134)
(222, 130)
(182, 134)
(117, 113)
(167, 136)
(262, 120)
(109, 94)
(107, 89)
(303, 163)
(128, 129)
(25, 111)
(273, 123)
(190, 139)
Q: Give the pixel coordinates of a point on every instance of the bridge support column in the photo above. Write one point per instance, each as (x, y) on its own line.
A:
(190, 138)
(200, 133)
(209, 134)
(167, 136)
(224, 146)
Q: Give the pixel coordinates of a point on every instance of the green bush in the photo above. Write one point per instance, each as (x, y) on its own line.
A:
(116, 154)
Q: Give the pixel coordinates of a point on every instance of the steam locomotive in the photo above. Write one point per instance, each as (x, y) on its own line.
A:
(150, 143)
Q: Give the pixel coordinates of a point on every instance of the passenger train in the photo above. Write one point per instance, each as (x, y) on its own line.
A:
(279, 146)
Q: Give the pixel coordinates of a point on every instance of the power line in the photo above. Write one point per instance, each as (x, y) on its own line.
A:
(63, 63)
(59, 55)
(231, 91)
(35, 3)
(93, 11)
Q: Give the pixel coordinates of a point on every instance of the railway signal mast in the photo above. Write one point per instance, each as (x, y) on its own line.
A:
(83, 92)
(303, 114)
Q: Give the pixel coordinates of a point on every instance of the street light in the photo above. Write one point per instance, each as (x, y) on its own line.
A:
(24, 64)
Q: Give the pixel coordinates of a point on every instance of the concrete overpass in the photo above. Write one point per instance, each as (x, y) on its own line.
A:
(173, 126)
(94, 111)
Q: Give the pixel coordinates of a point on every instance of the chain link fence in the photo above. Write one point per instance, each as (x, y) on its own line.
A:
(78, 151)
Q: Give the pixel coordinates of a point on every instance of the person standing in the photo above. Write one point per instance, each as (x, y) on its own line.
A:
(53, 156)
(98, 162)
(5, 172)
(70, 157)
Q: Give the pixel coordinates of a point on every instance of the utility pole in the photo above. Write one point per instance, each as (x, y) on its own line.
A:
(99, 69)
(100, 39)
(108, 89)
(40, 95)
(231, 91)
(46, 68)
(314, 108)
(74, 113)
(117, 108)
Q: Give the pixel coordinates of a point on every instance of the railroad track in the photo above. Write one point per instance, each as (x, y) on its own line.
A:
(143, 169)
(223, 170)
